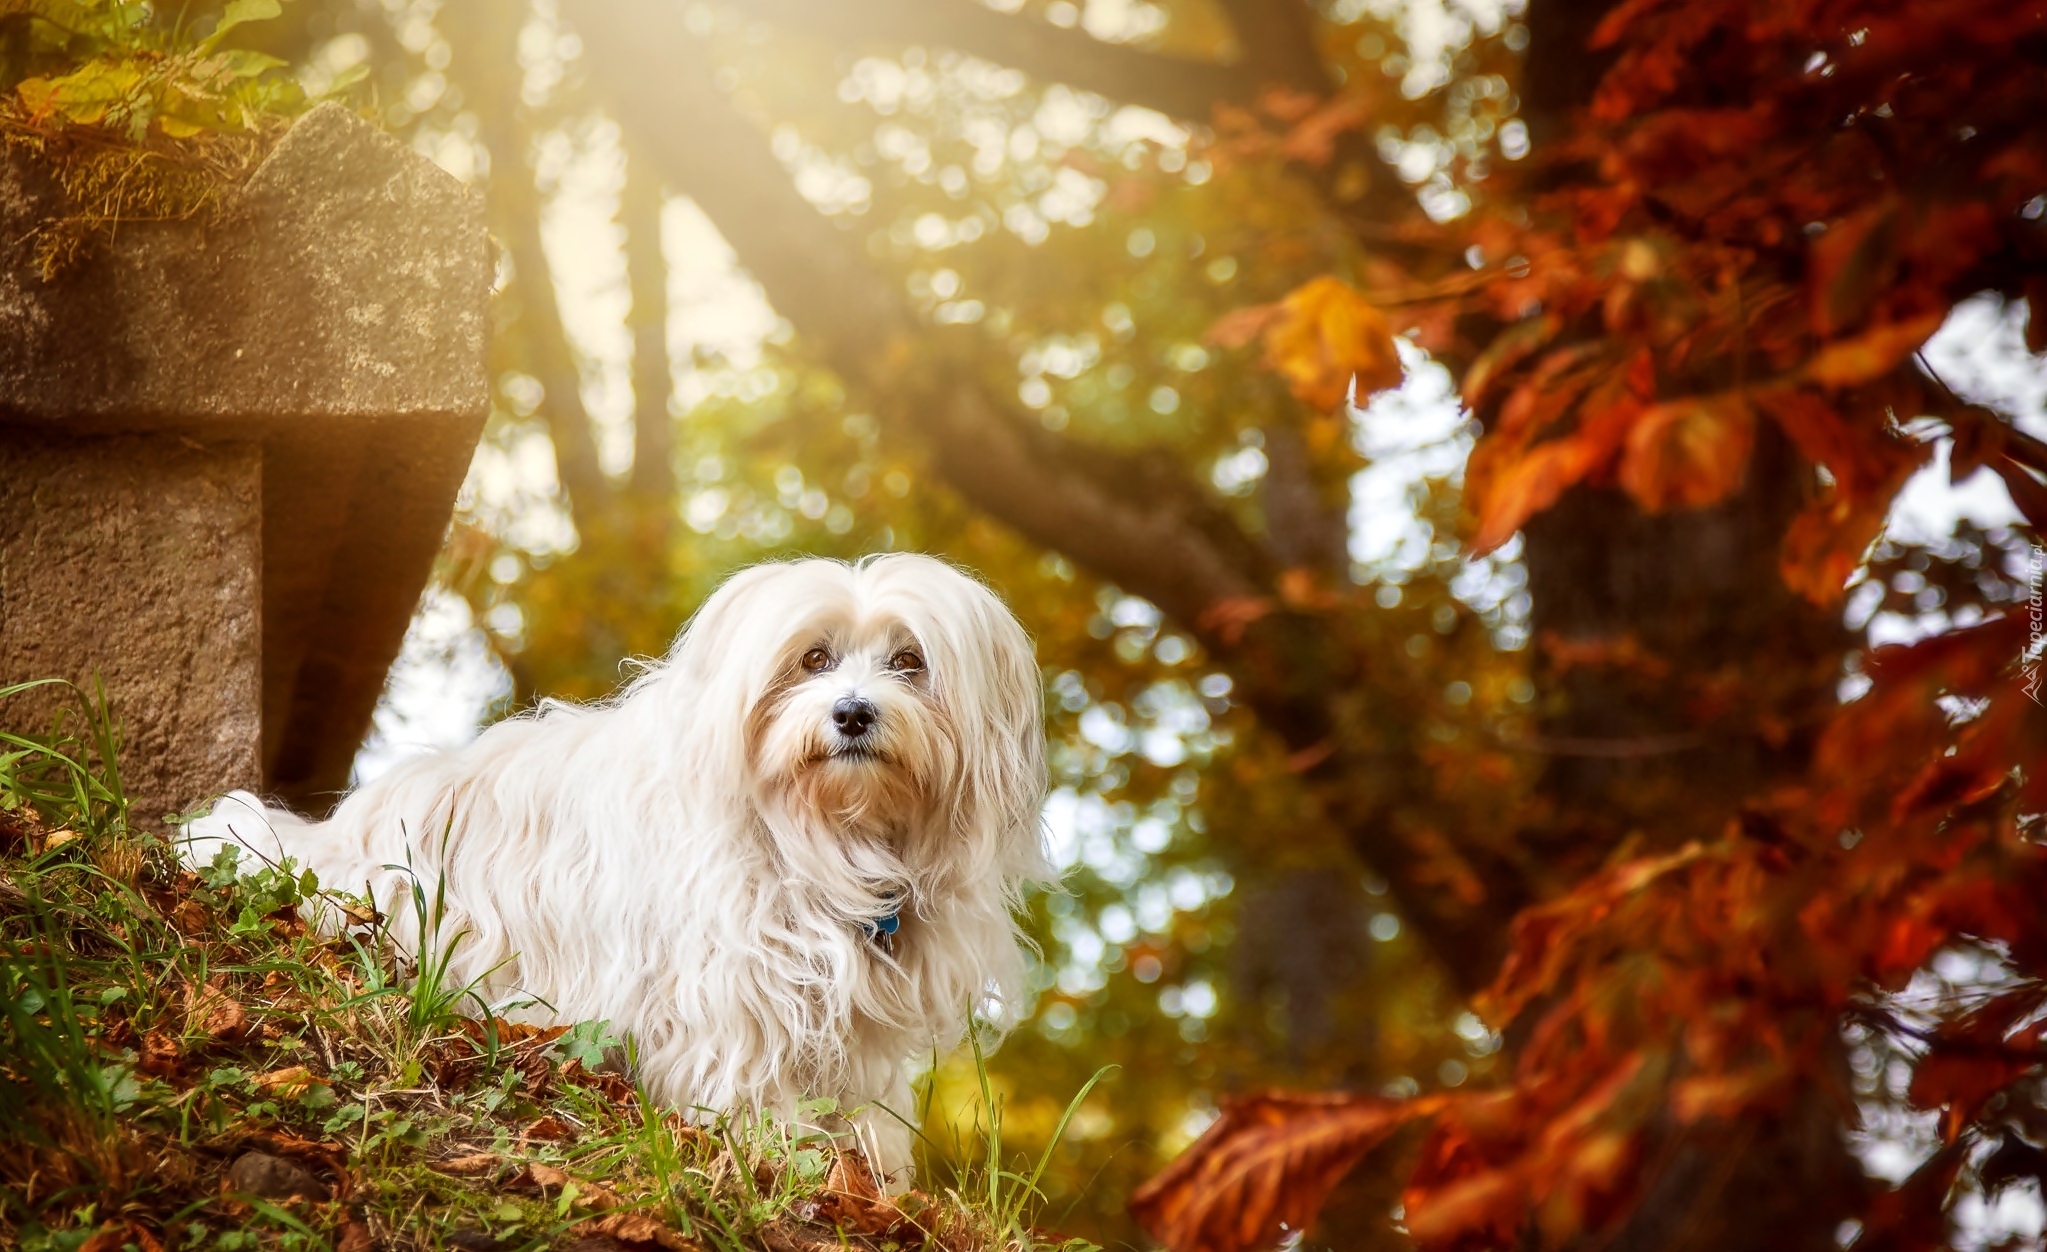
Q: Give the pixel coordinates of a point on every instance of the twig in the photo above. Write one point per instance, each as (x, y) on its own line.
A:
(1614, 748)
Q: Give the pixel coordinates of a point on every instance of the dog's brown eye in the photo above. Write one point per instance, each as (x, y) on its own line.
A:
(817, 659)
(906, 662)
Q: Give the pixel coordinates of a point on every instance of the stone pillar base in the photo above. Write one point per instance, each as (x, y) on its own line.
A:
(139, 559)
(228, 451)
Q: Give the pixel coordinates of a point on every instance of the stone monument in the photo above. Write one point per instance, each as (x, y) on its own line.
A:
(228, 453)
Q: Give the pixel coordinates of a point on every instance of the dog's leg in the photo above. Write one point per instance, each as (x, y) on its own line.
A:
(886, 1141)
(238, 820)
(263, 836)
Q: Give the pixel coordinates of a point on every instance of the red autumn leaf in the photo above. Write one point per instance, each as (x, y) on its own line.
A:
(1861, 458)
(1966, 659)
(1851, 266)
(1688, 454)
(1486, 1206)
(1507, 495)
(1981, 764)
(1230, 618)
(1508, 350)
(1542, 935)
(1724, 1095)
(1872, 354)
(2027, 492)
(1265, 1168)
(1976, 1056)
(1978, 439)
(1825, 542)
(1915, 1215)
(1588, 1184)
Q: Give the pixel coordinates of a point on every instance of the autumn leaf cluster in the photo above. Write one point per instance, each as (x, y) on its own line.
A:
(1708, 292)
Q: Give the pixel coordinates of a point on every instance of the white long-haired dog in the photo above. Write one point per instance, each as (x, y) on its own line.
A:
(783, 860)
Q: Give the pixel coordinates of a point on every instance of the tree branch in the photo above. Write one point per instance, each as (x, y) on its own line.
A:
(1083, 502)
(1303, 530)
(1278, 40)
(1171, 85)
(1139, 522)
(640, 207)
(561, 382)
(515, 210)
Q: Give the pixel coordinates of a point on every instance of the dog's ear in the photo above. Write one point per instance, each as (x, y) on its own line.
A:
(726, 657)
(985, 672)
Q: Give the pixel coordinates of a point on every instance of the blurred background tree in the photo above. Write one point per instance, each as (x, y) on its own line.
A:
(993, 244)
(1099, 299)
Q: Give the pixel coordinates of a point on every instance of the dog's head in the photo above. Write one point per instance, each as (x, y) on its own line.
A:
(884, 716)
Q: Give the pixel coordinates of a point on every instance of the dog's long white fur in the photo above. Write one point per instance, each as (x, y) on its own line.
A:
(691, 862)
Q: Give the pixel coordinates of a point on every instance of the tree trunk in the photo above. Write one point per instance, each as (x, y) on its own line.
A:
(1677, 674)
(640, 206)
(492, 77)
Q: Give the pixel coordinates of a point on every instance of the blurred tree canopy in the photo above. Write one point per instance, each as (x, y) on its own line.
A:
(1576, 830)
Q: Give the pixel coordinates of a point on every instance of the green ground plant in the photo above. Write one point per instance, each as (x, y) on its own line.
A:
(185, 1065)
(140, 111)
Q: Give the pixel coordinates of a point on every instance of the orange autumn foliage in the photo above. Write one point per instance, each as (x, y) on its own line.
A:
(1326, 340)
(1726, 257)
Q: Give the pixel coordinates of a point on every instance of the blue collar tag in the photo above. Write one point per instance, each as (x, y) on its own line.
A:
(882, 930)
(883, 926)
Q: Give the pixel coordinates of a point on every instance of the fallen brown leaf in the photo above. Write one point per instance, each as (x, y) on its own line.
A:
(355, 1237)
(211, 1011)
(637, 1228)
(551, 1128)
(288, 1082)
(539, 1176)
(469, 1166)
(359, 915)
(546, 1179)
(111, 1237)
(782, 1237)
(852, 1198)
(190, 918)
(160, 1053)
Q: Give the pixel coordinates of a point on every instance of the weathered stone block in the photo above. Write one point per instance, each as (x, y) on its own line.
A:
(139, 559)
(299, 382)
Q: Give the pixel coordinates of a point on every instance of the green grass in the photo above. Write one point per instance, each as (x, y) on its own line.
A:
(160, 1023)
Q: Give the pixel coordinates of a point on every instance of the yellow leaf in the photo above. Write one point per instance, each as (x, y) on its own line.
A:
(84, 97)
(35, 95)
(1324, 336)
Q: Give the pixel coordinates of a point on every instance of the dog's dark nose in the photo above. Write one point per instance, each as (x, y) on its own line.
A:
(853, 716)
